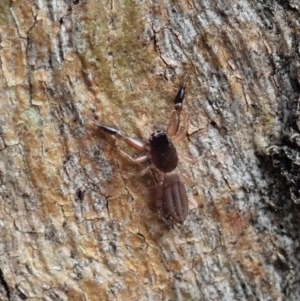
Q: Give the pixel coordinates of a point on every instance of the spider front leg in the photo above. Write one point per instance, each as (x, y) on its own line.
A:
(135, 143)
(176, 120)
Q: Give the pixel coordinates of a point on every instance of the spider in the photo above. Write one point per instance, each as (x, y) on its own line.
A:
(161, 155)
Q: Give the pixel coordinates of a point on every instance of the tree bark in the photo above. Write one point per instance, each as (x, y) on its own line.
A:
(73, 227)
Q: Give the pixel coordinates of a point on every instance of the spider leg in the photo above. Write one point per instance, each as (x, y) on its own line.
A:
(135, 143)
(157, 194)
(130, 175)
(187, 180)
(183, 129)
(175, 118)
(194, 160)
(136, 160)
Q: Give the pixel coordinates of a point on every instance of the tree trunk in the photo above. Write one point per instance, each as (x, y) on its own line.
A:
(73, 226)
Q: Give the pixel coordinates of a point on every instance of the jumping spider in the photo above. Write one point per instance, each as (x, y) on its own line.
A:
(162, 157)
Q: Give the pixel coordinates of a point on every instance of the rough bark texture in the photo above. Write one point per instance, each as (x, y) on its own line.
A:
(72, 227)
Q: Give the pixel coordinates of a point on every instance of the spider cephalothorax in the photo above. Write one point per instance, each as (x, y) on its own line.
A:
(161, 153)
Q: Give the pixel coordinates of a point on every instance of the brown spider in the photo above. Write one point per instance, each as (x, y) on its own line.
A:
(162, 156)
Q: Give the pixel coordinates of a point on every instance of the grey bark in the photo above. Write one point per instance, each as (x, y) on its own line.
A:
(72, 227)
